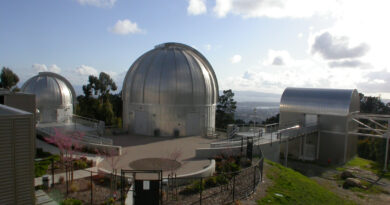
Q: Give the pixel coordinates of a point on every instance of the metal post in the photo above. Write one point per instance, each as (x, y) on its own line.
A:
(387, 145)
(52, 172)
(387, 152)
(286, 153)
(66, 178)
(242, 145)
(254, 178)
(92, 189)
(318, 144)
(201, 190)
(234, 185)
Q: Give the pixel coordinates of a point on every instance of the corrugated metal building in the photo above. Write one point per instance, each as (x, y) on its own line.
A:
(17, 151)
(171, 90)
(329, 110)
(54, 95)
(18, 100)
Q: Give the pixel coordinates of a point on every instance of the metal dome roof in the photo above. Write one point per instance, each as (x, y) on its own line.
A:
(339, 102)
(50, 89)
(171, 74)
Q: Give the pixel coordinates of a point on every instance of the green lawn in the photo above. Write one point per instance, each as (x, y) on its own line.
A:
(291, 187)
(367, 165)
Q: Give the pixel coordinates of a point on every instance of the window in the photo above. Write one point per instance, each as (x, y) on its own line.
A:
(2, 99)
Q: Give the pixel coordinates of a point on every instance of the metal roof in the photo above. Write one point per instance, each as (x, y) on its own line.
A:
(339, 102)
(171, 74)
(50, 89)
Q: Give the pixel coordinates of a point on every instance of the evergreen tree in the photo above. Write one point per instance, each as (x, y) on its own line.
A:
(226, 108)
(8, 79)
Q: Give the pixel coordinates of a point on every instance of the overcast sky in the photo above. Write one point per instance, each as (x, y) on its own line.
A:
(253, 45)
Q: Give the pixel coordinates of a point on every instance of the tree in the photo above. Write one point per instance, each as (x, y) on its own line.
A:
(226, 108)
(98, 102)
(372, 148)
(271, 120)
(8, 79)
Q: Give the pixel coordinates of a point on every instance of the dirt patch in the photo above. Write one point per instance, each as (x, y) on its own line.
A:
(155, 164)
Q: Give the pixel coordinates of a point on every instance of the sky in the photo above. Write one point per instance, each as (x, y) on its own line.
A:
(253, 45)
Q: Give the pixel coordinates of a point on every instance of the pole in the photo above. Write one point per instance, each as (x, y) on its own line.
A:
(387, 144)
(286, 154)
(91, 189)
(52, 172)
(66, 179)
(201, 189)
(234, 185)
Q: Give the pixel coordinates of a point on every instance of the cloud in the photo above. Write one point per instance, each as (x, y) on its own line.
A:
(196, 7)
(300, 35)
(376, 82)
(333, 47)
(98, 3)
(125, 27)
(348, 64)
(236, 59)
(278, 58)
(207, 47)
(86, 70)
(275, 8)
(43, 68)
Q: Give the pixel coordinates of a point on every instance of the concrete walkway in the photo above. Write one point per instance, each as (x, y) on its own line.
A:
(78, 174)
(43, 199)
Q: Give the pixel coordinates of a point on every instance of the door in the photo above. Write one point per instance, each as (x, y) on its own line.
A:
(192, 124)
(311, 120)
(141, 123)
(147, 192)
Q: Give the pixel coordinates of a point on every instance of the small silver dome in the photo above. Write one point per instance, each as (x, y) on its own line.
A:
(54, 96)
(169, 88)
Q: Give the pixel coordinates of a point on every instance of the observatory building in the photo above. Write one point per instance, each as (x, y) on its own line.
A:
(170, 90)
(54, 96)
(328, 111)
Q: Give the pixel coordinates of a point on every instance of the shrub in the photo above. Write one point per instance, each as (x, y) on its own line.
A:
(80, 164)
(221, 179)
(194, 187)
(211, 182)
(61, 179)
(71, 201)
(74, 187)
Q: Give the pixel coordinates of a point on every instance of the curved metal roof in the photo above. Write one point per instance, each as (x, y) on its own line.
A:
(50, 89)
(339, 102)
(171, 74)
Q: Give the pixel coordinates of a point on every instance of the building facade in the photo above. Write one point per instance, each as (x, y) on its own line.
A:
(327, 109)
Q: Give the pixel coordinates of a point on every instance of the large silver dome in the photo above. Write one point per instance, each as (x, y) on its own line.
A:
(170, 90)
(54, 96)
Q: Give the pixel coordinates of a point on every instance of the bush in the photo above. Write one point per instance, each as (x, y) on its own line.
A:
(61, 179)
(74, 187)
(71, 201)
(80, 164)
(194, 187)
(211, 182)
(222, 179)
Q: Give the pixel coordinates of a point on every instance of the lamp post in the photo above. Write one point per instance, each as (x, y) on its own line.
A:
(254, 122)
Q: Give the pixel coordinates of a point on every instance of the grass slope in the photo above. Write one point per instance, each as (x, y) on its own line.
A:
(291, 187)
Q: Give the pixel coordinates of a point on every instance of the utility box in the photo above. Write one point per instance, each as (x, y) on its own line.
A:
(17, 151)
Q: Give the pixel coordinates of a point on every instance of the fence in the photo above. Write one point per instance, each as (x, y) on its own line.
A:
(88, 186)
(219, 189)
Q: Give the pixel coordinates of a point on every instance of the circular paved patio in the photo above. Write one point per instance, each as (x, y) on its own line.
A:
(181, 150)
